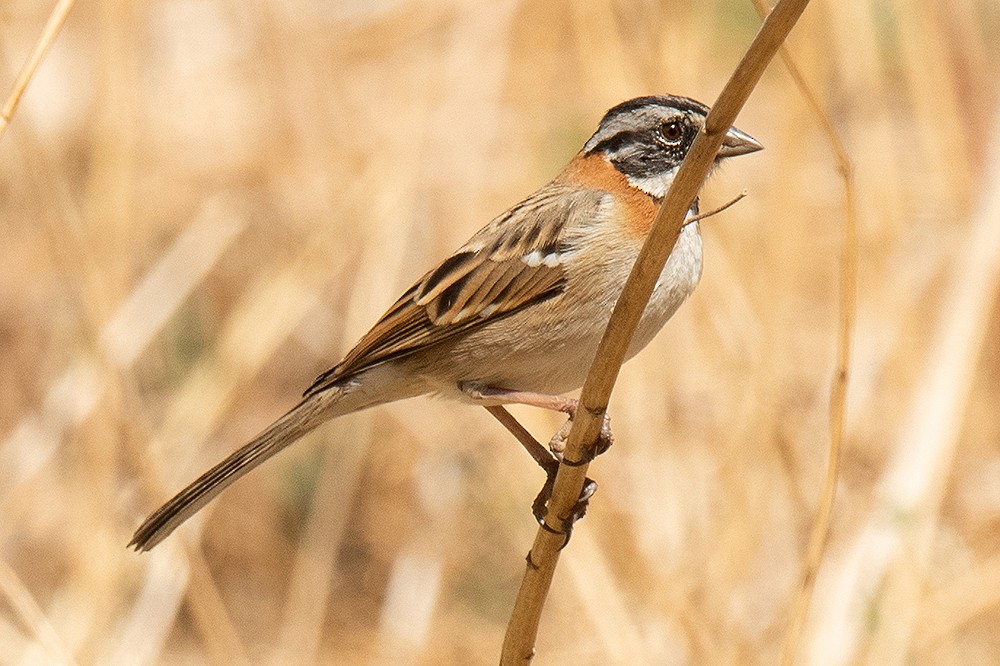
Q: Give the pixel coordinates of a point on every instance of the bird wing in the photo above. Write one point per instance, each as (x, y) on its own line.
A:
(511, 264)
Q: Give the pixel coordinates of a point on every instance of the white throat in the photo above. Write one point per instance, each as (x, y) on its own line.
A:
(654, 186)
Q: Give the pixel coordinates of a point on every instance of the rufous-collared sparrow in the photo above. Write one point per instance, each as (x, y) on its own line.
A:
(514, 315)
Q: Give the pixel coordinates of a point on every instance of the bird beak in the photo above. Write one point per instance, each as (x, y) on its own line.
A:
(738, 143)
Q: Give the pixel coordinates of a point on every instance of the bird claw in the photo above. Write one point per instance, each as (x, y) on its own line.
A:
(540, 506)
(557, 445)
(551, 460)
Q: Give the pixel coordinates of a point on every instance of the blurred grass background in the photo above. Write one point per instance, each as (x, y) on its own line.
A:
(203, 204)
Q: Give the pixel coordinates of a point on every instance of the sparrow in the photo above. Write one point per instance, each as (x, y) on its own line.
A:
(516, 314)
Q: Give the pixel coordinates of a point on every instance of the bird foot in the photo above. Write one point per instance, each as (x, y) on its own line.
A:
(540, 506)
(557, 445)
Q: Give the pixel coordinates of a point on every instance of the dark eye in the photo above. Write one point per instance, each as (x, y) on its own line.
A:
(672, 131)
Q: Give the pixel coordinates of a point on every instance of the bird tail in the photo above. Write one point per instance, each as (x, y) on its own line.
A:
(301, 419)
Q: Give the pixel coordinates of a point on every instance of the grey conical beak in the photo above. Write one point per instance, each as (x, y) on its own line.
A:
(738, 143)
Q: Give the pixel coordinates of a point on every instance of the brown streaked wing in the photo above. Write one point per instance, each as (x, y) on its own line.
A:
(482, 282)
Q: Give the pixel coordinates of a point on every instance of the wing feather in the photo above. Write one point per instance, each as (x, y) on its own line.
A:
(511, 264)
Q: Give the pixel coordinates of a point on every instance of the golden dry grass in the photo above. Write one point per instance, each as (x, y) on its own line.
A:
(204, 204)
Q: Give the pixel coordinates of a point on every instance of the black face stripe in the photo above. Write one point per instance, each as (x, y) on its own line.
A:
(651, 156)
(639, 148)
(616, 142)
(646, 166)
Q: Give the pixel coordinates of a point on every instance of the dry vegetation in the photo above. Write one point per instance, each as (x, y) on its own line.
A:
(203, 204)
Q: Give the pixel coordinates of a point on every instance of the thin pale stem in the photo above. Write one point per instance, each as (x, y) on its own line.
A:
(534, 448)
(847, 309)
(522, 630)
(45, 41)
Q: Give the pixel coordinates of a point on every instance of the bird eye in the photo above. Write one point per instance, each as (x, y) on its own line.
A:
(672, 131)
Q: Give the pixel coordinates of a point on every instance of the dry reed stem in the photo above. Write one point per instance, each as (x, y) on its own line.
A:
(847, 313)
(270, 308)
(122, 338)
(314, 571)
(106, 170)
(917, 479)
(885, 570)
(23, 603)
(209, 610)
(522, 629)
(145, 630)
(943, 611)
(261, 322)
(127, 332)
(602, 602)
(45, 41)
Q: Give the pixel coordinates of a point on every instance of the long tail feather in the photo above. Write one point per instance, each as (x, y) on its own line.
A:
(304, 417)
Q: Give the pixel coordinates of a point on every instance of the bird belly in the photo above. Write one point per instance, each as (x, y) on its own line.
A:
(545, 352)
(677, 281)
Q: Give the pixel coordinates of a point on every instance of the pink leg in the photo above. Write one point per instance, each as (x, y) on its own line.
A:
(548, 463)
(497, 396)
(490, 396)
